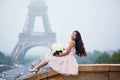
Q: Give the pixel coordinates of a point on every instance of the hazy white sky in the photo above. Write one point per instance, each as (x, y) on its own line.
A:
(97, 20)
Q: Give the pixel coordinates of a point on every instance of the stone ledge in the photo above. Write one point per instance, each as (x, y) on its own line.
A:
(99, 67)
(104, 71)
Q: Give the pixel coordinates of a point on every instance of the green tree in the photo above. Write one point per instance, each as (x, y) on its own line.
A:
(82, 60)
(89, 59)
(93, 56)
(5, 59)
(2, 58)
(103, 58)
(115, 59)
(8, 60)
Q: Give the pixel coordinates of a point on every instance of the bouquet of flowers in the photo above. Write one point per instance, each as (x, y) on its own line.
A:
(57, 49)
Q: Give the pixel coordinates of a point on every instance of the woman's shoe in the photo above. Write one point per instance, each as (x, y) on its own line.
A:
(33, 70)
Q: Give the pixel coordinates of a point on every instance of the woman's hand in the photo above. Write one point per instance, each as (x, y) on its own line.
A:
(70, 46)
(60, 55)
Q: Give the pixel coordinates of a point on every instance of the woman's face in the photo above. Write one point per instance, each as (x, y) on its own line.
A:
(73, 36)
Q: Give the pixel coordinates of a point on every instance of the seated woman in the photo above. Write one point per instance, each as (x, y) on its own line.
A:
(65, 63)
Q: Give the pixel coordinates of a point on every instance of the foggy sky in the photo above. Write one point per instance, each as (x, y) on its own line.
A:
(97, 20)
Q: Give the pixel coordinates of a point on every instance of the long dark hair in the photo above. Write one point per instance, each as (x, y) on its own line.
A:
(79, 46)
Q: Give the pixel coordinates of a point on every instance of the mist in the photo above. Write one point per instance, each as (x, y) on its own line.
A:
(97, 20)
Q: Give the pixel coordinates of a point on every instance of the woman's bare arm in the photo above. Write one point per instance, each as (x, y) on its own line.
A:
(70, 46)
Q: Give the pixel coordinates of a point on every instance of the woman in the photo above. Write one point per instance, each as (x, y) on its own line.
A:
(66, 63)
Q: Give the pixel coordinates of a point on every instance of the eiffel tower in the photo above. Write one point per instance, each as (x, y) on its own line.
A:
(28, 38)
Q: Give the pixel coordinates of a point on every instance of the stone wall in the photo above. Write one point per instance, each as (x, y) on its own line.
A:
(86, 72)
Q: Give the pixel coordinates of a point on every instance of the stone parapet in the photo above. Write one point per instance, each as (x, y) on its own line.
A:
(86, 72)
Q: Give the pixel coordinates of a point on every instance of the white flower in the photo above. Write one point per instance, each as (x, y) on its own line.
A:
(57, 47)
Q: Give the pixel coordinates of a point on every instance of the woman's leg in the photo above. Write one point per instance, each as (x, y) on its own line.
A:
(41, 64)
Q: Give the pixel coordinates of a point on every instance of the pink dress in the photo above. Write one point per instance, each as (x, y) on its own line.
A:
(66, 65)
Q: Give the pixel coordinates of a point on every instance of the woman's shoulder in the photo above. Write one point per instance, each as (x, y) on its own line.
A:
(72, 42)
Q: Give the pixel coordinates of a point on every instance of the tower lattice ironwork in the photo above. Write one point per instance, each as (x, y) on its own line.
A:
(28, 38)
